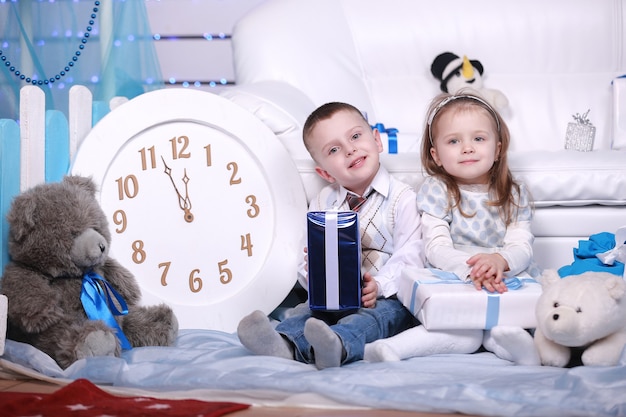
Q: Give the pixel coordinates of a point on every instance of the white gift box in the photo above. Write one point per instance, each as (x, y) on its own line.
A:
(441, 301)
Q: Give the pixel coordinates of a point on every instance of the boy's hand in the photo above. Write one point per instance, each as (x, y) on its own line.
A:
(306, 258)
(487, 271)
(369, 291)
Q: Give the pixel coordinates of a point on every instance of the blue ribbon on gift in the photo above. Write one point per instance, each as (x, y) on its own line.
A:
(493, 298)
(392, 136)
(97, 298)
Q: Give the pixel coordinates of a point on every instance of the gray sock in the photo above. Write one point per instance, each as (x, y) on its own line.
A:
(325, 342)
(257, 334)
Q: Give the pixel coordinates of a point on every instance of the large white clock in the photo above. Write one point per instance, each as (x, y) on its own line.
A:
(206, 206)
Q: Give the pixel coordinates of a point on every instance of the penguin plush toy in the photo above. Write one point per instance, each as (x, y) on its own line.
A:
(456, 73)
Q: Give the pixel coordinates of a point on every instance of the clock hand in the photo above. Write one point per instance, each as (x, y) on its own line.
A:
(183, 202)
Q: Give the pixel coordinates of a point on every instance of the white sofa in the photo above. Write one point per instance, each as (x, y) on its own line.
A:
(551, 59)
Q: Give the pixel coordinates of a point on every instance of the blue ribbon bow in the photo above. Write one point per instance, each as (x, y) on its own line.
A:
(97, 298)
(392, 136)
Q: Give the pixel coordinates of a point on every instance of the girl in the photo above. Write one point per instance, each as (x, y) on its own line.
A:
(475, 221)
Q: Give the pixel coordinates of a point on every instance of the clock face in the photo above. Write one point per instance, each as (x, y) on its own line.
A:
(204, 203)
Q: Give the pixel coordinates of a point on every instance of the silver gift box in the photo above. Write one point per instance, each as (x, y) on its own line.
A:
(580, 134)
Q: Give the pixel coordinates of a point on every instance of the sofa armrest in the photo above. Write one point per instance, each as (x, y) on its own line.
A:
(282, 107)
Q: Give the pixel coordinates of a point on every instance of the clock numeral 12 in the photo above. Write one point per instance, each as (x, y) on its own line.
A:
(150, 153)
(184, 140)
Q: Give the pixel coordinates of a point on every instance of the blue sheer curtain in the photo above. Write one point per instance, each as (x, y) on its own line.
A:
(105, 45)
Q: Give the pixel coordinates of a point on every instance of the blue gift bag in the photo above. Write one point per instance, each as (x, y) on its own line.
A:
(334, 260)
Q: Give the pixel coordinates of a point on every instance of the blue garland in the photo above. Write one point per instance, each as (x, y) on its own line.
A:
(69, 65)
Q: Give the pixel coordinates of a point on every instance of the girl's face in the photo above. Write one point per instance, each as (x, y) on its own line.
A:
(465, 144)
(346, 150)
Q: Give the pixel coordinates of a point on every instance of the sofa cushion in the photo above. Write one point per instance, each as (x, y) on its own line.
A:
(280, 106)
(572, 178)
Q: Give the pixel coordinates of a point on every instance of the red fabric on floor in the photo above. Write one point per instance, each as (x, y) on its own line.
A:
(83, 398)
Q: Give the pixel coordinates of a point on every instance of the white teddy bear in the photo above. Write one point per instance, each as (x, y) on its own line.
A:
(581, 311)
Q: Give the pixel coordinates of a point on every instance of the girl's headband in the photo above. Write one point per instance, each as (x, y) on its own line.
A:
(447, 100)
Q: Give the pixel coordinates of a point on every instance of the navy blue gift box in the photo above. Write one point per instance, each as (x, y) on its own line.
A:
(334, 260)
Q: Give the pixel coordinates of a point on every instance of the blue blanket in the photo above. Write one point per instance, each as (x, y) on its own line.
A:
(211, 363)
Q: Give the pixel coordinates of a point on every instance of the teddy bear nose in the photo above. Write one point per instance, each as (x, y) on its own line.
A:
(102, 247)
(555, 317)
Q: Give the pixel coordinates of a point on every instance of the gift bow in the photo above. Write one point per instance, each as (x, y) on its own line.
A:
(392, 136)
(618, 253)
(97, 298)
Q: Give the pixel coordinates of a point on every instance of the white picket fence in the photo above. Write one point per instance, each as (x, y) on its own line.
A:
(40, 148)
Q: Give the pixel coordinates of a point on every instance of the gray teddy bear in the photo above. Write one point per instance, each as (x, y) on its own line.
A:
(66, 296)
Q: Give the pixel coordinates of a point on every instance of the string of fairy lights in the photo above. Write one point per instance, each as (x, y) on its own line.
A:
(195, 83)
(20, 75)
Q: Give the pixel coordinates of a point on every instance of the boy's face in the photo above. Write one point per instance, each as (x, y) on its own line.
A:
(346, 150)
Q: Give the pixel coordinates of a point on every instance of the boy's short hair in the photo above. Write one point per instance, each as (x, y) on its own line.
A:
(324, 112)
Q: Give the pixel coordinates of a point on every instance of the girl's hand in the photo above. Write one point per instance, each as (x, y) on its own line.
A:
(488, 271)
(490, 284)
(369, 291)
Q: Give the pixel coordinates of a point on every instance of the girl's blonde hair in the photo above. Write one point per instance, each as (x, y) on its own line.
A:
(504, 191)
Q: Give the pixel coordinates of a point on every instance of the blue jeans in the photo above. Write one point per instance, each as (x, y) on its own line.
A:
(355, 328)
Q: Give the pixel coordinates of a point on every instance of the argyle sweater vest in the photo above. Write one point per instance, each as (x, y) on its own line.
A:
(376, 222)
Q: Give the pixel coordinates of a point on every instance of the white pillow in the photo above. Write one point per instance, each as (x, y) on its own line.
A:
(282, 107)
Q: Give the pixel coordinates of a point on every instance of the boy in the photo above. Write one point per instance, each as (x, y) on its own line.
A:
(346, 153)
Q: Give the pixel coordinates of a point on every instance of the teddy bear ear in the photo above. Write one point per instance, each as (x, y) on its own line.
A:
(616, 286)
(21, 217)
(549, 276)
(83, 182)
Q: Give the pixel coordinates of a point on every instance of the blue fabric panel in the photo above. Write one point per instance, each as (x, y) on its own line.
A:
(57, 146)
(99, 109)
(9, 179)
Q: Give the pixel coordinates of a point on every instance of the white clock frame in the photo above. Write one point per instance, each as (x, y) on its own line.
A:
(278, 273)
